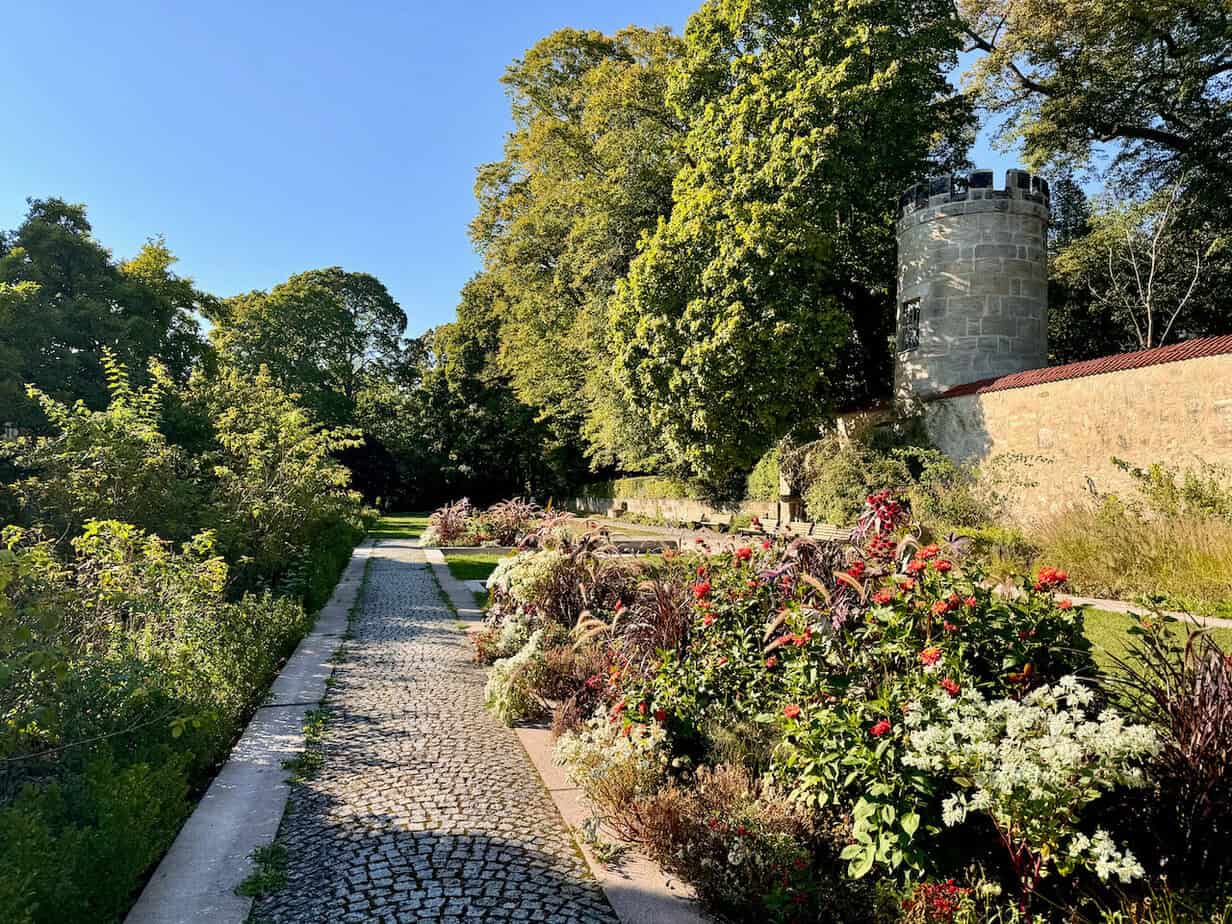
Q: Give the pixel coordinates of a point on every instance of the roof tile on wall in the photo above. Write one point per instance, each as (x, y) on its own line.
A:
(1189, 349)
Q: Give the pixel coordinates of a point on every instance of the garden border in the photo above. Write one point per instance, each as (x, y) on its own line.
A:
(242, 809)
(641, 892)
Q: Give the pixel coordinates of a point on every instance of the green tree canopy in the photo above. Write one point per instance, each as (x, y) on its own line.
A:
(322, 334)
(767, 294)
(64, 300)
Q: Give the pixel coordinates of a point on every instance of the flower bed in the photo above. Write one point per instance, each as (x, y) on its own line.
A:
(462, 524)
(869, 732)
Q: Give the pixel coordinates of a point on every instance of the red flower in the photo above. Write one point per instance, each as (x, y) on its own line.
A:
(929, 551)
(940, 607)
(856, 569)
(880, 728)
(714, 824)
(765, 543)
(1065, 604)
(930, 655)
(942, 565)
(882, 597)
(641, 708)
(949, 626)
(708, 619)
(791, 710)
(700, 589)
(771, 663)
(970, 601)
(660, 715)
(744, 553)
(620, 606)
(722, 662)
(1049, 578)
(915, 566)
(950, 686)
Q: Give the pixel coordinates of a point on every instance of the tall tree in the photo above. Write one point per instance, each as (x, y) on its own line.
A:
(63, 300)
(322, 334)
(1151, 80)
(767, 294)
(587, 171)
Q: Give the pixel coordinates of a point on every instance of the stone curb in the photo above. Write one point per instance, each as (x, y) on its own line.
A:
(1134, 609)
(242, 809)
(461, 597)
(639, 891)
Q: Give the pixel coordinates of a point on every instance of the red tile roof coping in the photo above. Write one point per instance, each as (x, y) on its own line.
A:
(1189, 349)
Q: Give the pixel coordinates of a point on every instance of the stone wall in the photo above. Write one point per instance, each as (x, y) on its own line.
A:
(1176, 412)
(671, 510)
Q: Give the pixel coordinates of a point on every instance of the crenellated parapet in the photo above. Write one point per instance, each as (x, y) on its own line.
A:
(973, 187)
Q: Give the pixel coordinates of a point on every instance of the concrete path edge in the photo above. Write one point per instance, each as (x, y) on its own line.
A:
(243, 807)
(639, 892)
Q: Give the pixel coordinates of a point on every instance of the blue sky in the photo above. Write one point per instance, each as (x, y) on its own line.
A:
(262, 139)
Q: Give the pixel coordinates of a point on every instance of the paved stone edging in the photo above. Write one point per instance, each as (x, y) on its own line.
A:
(1134, 609)
(424, 807)
(195, 882)
(639, 892)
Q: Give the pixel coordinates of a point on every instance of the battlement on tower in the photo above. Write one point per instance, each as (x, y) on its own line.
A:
(976, 185)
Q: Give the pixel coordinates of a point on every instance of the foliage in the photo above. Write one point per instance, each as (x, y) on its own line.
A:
(1201, 493)
(587, 170)
(510, 694)
(1117, 552)
(113, 463)
(764, 292)
(1031, 765)
(1184, 692)
(322, 335)
(64, 300)
(124, 675)
(642, 487)
(763, 482)
(1072, 77)
(1143, 263)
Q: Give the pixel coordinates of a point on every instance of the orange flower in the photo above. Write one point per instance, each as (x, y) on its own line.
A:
(930, 655)
(791, 710)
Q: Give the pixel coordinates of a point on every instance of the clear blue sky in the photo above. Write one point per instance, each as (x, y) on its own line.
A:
(262, 139)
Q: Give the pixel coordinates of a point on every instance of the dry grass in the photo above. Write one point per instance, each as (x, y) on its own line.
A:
(1113, 552)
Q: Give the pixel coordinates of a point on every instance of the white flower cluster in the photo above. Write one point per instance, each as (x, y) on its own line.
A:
(1032, 765)
(509, 694)
(530, 575)
(498, 580)
(602, 751)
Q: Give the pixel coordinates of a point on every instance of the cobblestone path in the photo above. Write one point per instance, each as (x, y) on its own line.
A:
(426, 809)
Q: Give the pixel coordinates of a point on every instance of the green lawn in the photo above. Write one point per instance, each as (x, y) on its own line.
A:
(400, 526)
(1109, 633)
(472, 566)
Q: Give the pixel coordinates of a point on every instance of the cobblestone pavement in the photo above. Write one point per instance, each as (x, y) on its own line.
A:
(426, 809)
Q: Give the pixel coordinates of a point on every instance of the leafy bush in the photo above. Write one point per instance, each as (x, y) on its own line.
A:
(643, 487)
(512, 691)
(763, 483)
(1031, 765)
(1205, 492)
(125, 672)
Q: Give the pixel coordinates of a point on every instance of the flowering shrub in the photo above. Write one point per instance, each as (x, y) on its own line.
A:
(511, 692)
(615, 766)
(1031, 765)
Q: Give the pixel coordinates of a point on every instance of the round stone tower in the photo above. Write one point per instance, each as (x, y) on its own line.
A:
(972, 281)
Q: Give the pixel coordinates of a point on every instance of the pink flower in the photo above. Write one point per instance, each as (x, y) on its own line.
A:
(950, 686)
(880, 728)
(791, 710)
(771, 663)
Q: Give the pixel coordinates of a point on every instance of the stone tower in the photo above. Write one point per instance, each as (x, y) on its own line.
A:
(972, 281)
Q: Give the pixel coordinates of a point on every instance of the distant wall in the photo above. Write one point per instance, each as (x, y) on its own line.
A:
(1175, 412)
(670, 509)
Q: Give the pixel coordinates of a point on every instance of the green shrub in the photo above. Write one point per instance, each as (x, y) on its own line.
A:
(763, 483)
(838, 474)
(644, 487)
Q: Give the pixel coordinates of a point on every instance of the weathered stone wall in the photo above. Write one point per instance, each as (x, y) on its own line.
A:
(1176, 412)
(972, 261)
(670, 509)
